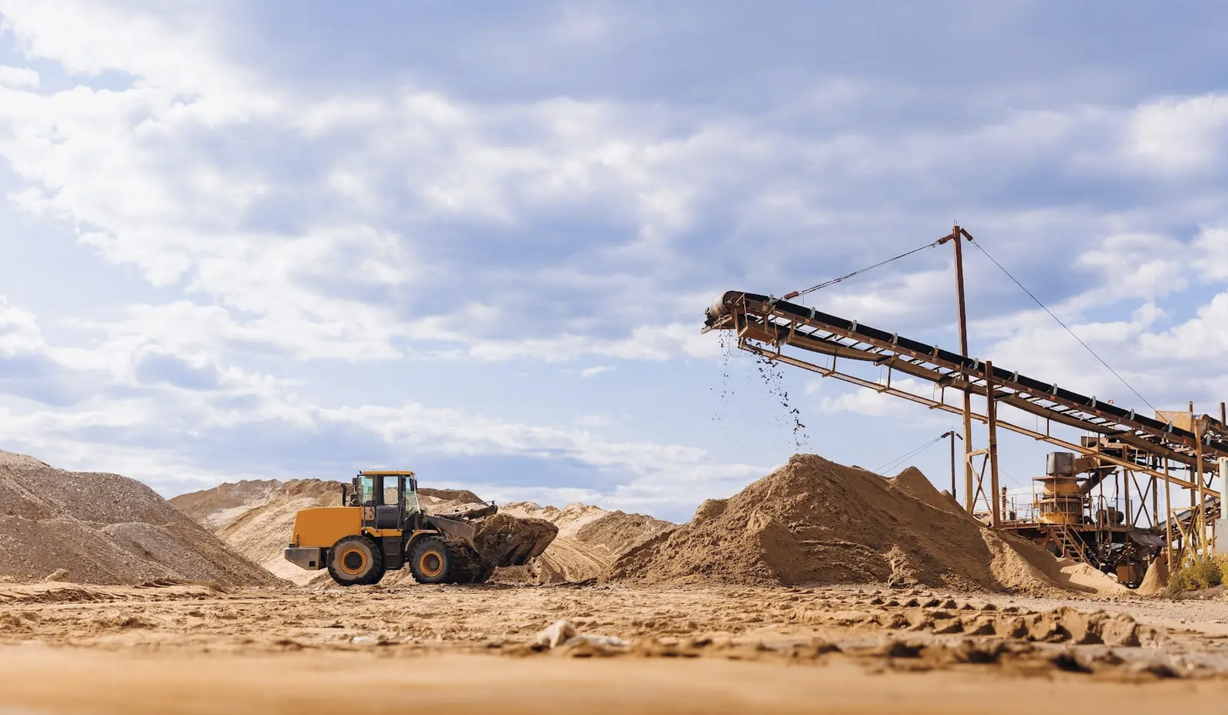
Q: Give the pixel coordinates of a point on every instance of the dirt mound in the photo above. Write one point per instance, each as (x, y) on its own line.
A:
(569, 519)
(817, 522)
(916, 485)
(103, 529)
(451, 496)
(216, 507)
(260, 528)
(1155, 581)
(618, 532)
(589, 540)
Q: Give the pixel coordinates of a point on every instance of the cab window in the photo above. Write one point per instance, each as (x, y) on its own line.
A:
(392, 491)
(411, 498)
(368, 490)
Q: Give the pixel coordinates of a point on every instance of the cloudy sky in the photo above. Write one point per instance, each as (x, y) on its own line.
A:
(291, 239)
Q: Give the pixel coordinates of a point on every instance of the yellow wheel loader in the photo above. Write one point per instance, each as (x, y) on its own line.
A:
(380, 526)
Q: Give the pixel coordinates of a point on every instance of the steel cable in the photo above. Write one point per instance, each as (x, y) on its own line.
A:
(802, 293)
(910, 454)
(1059, 322)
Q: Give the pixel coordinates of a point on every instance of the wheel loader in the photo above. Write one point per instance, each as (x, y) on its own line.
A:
(380, 526)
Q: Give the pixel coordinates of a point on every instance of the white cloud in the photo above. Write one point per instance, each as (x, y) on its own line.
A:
(18, 78)
(663, 475)
(19, 331)
(180, 50)
(1210, 251)
(405, 221)
(1145, 266)
(864, 401)
(175, 216)
(1178, 135)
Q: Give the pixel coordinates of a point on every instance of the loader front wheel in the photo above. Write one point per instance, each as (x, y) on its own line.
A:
(430, 560)
(467, 566)
(355, 561)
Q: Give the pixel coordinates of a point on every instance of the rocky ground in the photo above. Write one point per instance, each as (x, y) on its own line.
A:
(1119, 645)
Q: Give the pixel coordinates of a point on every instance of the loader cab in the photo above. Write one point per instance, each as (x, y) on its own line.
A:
(389, 500)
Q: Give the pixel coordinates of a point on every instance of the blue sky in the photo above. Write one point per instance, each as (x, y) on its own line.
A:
(290, 239)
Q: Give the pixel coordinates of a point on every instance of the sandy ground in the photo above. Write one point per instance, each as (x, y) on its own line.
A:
(189, 648)
(332, 683)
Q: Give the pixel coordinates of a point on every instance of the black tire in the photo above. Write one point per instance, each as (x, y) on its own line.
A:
(356, 561)
(467, 566)
(377, 575)
(431, 560)
(482, 574)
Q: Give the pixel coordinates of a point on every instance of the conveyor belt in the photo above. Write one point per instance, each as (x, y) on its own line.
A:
(773, 321)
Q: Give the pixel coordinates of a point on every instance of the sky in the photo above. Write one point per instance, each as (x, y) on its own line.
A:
(475, 239)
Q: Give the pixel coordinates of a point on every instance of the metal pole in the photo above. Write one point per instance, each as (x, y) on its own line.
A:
(1202, 499)
(1221, 518)
(951, 436)
(1194, 491)
(991, 412)
(1168, 522)
(957, 236)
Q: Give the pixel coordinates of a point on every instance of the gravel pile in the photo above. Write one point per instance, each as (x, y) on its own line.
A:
(95, 528)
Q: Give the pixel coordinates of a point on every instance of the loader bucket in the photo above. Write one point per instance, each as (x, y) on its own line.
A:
(454, 528)
(504, 540)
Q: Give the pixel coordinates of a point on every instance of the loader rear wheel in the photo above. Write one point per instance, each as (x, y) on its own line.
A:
(355, 561)
(430, 560)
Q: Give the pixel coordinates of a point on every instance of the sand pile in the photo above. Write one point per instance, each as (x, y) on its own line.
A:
(589, 540)
(1155, 581)
(260, 529)
(217, 507)
(817, 522)
(569, 519)
(916, 485)
(104, 529)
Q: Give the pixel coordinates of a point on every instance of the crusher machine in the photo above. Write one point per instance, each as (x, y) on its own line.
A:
(1106, 499)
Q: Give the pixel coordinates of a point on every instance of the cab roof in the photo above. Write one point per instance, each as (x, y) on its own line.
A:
(386, 473)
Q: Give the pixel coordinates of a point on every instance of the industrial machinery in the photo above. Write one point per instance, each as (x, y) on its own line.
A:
(380, 526)
(1070, 519)
(1100, 498)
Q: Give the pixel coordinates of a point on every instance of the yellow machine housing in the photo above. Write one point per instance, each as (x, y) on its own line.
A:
(1060, 502)
(324, 526)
